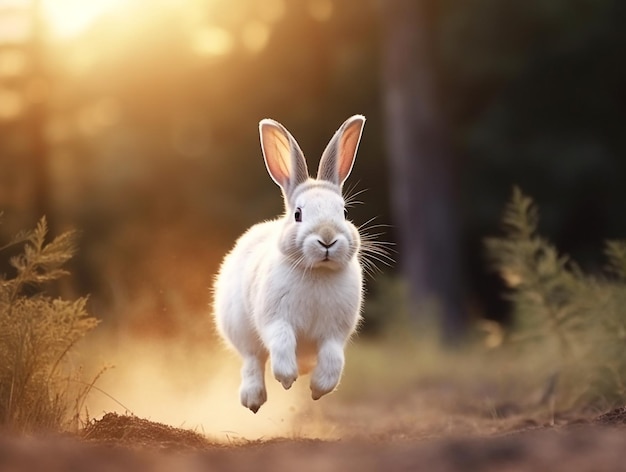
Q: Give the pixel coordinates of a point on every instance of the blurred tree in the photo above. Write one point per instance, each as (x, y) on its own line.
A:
(24, 77)
(39, 87)
(422, 167)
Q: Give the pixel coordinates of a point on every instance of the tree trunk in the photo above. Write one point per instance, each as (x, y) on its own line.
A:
(422, 168)
(36, 119)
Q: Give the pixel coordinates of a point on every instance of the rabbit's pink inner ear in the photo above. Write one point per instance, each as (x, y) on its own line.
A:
(348, 145)
(338, 157)
(276, 152)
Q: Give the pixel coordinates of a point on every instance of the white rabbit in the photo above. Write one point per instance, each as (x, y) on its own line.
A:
(291, 288)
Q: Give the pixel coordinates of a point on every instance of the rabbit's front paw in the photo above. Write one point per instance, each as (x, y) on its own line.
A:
(327, 372)
(285, 370)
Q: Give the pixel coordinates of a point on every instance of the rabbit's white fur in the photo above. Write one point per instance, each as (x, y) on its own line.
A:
(292, 290)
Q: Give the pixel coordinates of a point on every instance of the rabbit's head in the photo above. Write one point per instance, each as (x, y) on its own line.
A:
(316, 232)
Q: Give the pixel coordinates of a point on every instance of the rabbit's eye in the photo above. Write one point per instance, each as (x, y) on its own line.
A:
(298, 215)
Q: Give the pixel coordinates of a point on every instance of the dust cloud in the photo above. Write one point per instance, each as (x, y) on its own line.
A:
(195, 387)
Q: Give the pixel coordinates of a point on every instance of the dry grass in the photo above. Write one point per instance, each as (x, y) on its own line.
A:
(39, 386)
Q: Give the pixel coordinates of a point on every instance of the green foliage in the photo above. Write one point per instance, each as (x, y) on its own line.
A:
(578, 317)
(37, 334)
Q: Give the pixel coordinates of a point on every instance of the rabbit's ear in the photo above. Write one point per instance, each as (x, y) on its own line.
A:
(283, 158)
(338, 157)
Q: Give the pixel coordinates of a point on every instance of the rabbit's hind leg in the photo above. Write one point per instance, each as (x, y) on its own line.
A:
(252, 391)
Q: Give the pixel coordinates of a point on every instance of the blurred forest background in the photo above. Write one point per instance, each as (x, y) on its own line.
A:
(135, 122)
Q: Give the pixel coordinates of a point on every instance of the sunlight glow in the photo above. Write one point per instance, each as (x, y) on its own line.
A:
(15, 27)
(212, 41)
(69, 18)
(215, 28)
(255, 35)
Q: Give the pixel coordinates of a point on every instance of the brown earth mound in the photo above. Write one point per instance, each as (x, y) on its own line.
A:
(614, 417)
(131, 430)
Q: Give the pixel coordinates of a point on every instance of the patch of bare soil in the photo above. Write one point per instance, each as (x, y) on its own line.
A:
(128, 443)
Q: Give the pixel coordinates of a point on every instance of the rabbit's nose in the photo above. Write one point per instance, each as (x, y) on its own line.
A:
(325, 245)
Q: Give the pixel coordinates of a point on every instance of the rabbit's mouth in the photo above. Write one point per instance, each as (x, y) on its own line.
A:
(328, 263)
(327, 258)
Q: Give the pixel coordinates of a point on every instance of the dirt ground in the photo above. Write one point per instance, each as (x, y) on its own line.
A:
(389, 439)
